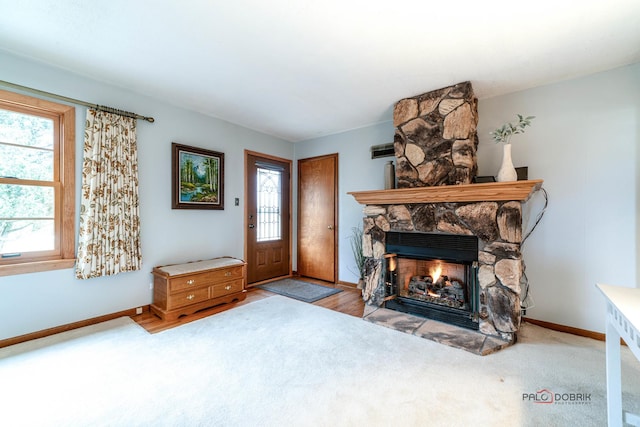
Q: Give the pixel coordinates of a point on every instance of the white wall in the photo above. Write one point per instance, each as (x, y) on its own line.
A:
(583, 144)
(32, 302)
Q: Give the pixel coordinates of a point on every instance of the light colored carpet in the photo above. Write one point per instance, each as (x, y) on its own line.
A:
(278, 362)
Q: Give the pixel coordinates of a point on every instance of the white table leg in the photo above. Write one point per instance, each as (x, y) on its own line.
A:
(614, 388)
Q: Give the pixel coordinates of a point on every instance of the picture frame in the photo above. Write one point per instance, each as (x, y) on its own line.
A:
(197, 178)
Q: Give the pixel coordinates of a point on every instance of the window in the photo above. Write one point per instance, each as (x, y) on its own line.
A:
(37, 202)
(269, 200)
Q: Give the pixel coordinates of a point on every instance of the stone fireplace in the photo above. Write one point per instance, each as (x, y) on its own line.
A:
(489, 212)
(470, 232)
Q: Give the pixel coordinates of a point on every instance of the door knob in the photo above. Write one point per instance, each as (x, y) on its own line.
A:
(252, 226)
(330, 227)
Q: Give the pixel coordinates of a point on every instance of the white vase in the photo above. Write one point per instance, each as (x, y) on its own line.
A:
(507, 172)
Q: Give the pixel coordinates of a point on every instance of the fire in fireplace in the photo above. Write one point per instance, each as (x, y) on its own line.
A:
(433, 282)
(434, 276)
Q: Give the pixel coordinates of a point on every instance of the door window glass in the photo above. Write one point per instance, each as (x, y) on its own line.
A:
(269, 224)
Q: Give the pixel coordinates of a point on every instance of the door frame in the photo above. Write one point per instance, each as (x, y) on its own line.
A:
(248, 153)
(336, 227)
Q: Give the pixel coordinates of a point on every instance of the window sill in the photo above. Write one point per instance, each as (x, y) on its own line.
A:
(36, 266)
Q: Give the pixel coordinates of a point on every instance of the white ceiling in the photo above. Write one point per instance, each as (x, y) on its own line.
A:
(299, 69)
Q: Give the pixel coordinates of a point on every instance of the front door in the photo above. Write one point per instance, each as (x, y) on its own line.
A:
(317, 217)
(268, 221)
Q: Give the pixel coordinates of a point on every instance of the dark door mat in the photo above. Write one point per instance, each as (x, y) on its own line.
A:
(297, 289)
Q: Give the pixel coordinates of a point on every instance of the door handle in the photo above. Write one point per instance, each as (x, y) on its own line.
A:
(252, 226)
(330, 227)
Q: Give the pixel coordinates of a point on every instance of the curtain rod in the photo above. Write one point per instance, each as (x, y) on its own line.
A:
(76, 101)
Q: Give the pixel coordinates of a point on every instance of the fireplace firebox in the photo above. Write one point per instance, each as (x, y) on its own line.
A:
(433, 275)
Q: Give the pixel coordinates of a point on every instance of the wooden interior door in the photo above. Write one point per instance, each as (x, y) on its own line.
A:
(317, 217)
(268, 219)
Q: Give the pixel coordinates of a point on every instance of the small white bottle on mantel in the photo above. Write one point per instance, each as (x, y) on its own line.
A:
(389, 176)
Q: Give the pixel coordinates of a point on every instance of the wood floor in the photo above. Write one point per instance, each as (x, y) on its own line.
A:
(348, 302)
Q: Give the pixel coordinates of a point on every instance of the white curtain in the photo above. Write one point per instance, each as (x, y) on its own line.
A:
(109, 238)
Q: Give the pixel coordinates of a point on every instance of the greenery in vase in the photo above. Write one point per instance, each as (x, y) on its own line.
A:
(504, 133)
(356, 248)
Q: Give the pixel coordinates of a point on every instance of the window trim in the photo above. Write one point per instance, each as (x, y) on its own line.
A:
(66, 136)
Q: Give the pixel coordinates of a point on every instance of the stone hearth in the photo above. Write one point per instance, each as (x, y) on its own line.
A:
(451, 335)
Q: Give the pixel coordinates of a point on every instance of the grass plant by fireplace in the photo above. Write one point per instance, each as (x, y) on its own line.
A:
(356, 248)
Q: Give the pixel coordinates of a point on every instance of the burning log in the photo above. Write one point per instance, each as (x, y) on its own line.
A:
(444, 291)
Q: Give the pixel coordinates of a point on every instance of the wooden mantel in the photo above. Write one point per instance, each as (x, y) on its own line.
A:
(484, 192)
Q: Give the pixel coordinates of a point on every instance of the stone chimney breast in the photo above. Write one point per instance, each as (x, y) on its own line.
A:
(436, 138)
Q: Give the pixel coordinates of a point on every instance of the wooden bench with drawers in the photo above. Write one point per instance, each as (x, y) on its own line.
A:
(182, 289)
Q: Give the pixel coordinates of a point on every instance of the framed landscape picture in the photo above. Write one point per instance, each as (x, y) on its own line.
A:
(197, 178)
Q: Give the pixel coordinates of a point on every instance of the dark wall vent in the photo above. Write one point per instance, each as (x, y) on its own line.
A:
(384, 150)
